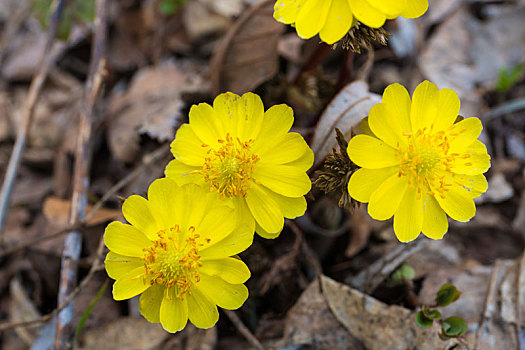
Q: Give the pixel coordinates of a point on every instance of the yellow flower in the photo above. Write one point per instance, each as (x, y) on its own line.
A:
(332, 19)
(247, 157)
(419, 164)
(179, 252)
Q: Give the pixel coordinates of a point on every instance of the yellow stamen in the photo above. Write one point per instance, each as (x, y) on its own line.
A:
(173, 261)
(230, 168)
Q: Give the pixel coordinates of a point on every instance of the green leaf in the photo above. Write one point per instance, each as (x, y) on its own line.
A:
(507, 79)
(422, 320)
(403, 273)
(87, 312)
(446, 295)
(431, 313)
(170, 7)
(453, 327)
(75, 11)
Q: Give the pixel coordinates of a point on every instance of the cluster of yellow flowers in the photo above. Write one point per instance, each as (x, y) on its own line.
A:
(332, 19)
(237, 170)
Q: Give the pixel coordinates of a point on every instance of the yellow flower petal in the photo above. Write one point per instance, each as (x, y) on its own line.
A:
(249, 116)
(289, 148)
(175, 205)
(162, 196)
(265, 234)
(312, 18)
(397, 101)
(150, 302)
(364, 182)
(372, 153)
(367, 14)
(449, 106)
(118, 265)
(222, 106)
(241, 116)
(389, 7)
(137, 212)
(474, 185)
(265, 211)
(291, 207)
(242, 212)
(387, 127)
(385, 201)
(277, 121)
(173, 314)
(223, 294)
(205, 124)
(218, 223)
(286, 180)
(464, 134)
(415, 8)
(125, 239)
(435, 223)
(187, 147)
(286, 11)
(408, 219)
(457, 205)
(304, 162)
(201, 311)
(182, 173)
(131, 284)
(232, 270)
(424, 106)
(338, 22)
(236, 242)
(476, 163)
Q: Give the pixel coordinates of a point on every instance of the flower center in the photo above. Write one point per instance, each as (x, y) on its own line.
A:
(172, 263)
(427, 161)
(229, 169)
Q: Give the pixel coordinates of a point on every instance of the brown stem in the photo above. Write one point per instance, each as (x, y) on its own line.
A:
(314, 61)
(73, 242)
(244, 330)
(346, 70)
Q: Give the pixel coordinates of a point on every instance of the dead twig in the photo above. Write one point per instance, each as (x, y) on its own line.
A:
(371, 277)
(97, 266)
(148, 159)
(286, 262)
(37, 83)
(244, 330)
(73, 242)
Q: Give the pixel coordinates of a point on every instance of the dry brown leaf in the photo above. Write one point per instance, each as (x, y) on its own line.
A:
(152, 105)
(247, 56)
(344, 112)
(57, 211)
(124, 333)
(56, 114)
(331, 315)
(465, 53)
(492, 301)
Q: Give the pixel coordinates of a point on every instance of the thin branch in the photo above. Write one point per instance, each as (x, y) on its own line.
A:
(97, 266)
(148, 159)
(37, 83)
(244, 330)
(73, 242)
(505, 108)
